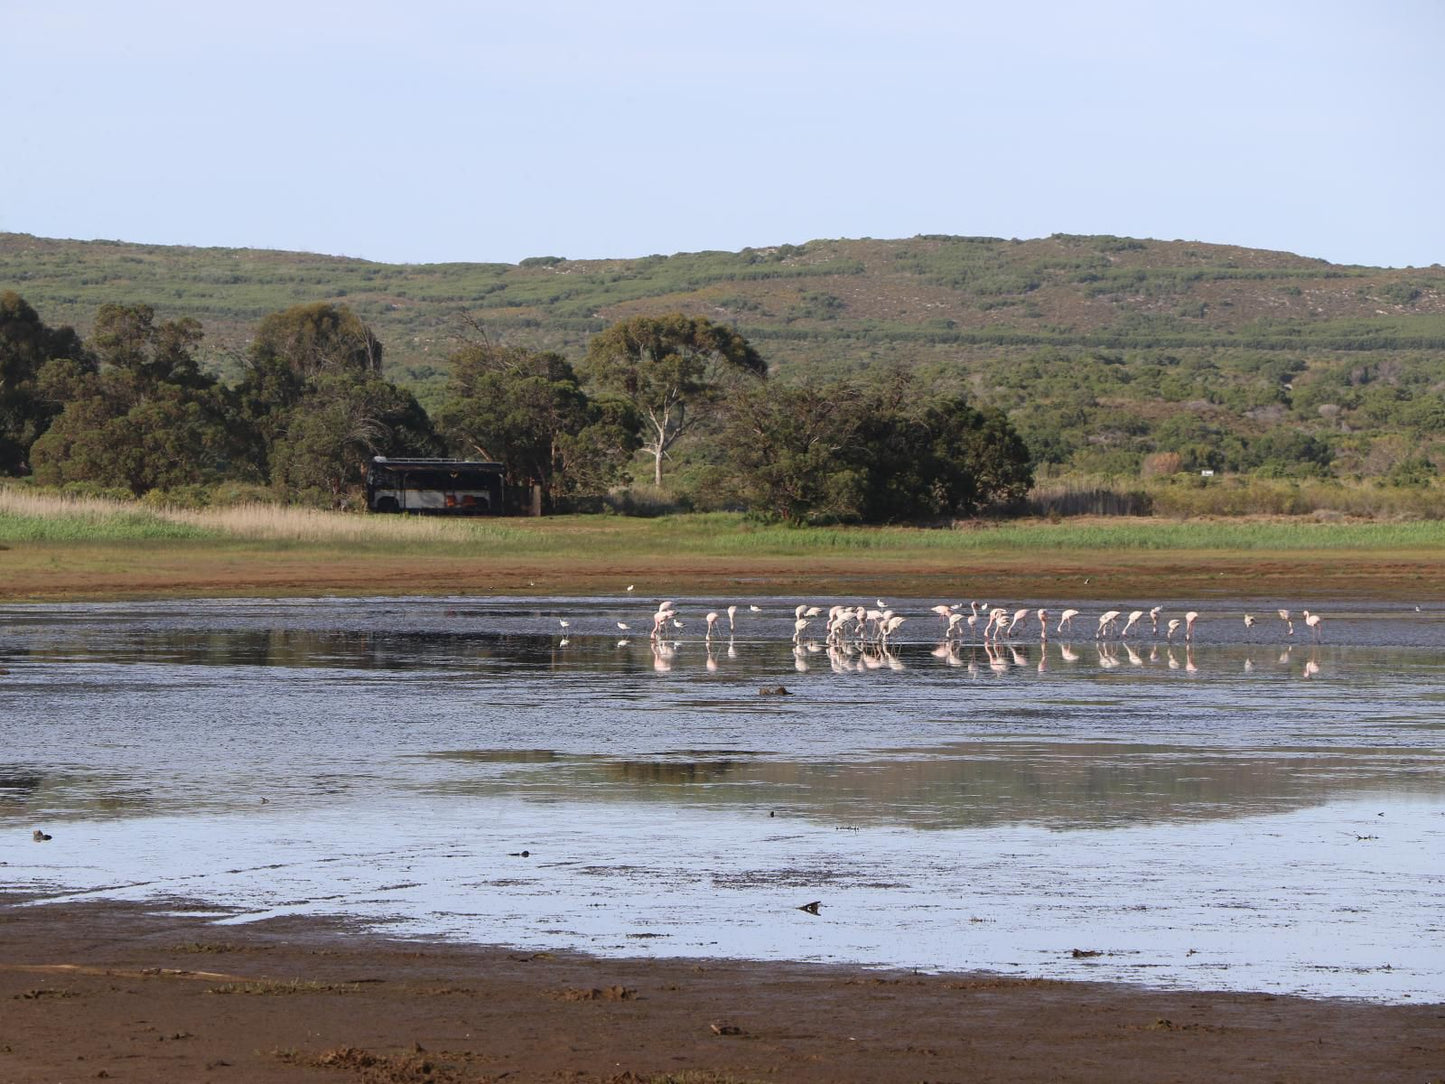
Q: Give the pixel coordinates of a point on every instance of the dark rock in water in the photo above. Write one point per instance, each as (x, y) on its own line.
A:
(39, 836)
(773, 690)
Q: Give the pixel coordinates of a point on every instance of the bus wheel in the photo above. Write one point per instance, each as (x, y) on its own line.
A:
(388, 504)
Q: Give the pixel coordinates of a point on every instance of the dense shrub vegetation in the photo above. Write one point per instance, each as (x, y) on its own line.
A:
(131, 411)
(1134, 365)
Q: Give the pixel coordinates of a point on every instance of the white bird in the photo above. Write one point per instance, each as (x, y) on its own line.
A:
(1313, 621)
(1106, 621)
(563, 642)
(632, 586)
(712, 617)
(732, 612)
(1289, 625)
(881, 604)
(1174, 624)
(1249, 621)
(798, 626)
(623, 625)
(1067, 618)
(564, 622)
(1133, 620)
(1019, 615)
(1189, 619)
(1154, 618)
(755, 609)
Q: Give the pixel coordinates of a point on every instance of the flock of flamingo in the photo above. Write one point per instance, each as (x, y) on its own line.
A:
(864, 625)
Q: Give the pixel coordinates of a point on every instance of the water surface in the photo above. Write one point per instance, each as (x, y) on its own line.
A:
(1251, 811)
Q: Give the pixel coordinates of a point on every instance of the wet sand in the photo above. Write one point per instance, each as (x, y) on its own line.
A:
(109, 991)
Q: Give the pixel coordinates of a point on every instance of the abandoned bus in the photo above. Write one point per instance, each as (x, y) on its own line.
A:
(454, 487)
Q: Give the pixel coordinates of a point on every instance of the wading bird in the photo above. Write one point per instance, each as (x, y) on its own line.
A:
(1067, 618)
(1289, 625)
(1189, 619)
(1313, 621)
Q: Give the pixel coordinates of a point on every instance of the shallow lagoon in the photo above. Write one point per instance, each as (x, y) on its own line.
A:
(1251, 812)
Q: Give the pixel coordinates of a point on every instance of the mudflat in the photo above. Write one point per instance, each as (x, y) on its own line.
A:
(115, 991)
(80, 571)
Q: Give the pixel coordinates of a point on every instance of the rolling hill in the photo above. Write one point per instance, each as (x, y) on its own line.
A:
(1105, 350)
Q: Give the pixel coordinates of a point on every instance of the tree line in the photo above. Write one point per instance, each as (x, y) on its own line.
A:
(131, 409)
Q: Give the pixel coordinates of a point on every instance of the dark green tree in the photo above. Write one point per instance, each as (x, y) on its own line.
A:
(790, 452)
(316, 405)
(326, 440)
(672, 369)
(880, 454)
(927, 457)
(145, 418)
(526, 410)
(26, 344)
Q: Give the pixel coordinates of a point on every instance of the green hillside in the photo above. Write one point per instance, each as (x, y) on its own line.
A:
(1106, 351)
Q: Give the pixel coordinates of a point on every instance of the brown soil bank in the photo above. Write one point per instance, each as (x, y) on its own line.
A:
(135, 570)
(99, 991)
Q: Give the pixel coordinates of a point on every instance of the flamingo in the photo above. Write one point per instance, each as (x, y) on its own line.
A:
(1043, 616)
(732, 613)
(1106, 620)
(711, 621)
(1019, 615)
(1289, 625)
(1067, 618)
(1173, 627)
(798, 626)
(1313, 621)
(1133, 620)
(623, 625)
(1189, 619)
(1154, 618)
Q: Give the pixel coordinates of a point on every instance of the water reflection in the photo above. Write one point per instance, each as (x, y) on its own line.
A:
(974, 784)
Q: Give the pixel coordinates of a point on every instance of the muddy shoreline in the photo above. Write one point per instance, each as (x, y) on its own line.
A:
(118, 991)
(128, 572)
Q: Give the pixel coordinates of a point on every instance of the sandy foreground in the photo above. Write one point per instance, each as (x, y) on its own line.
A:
(108, 991)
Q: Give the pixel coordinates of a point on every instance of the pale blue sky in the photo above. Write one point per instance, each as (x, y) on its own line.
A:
(438, 130)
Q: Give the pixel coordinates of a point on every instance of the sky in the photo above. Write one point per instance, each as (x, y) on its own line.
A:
(442, 130)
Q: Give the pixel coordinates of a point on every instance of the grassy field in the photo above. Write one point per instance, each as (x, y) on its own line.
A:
(57, 548)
